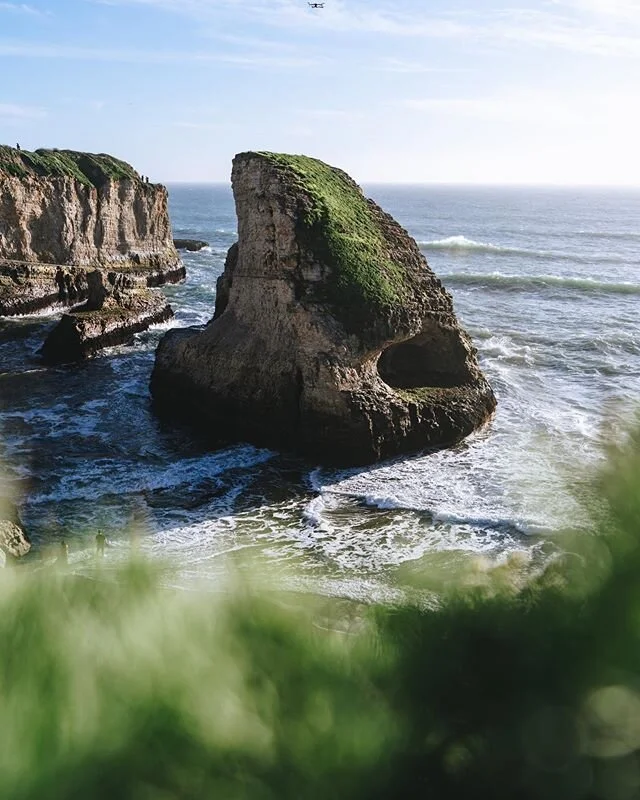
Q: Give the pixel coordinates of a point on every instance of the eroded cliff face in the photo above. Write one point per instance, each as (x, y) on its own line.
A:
(77, 211)
(331, 335)
(56, 220)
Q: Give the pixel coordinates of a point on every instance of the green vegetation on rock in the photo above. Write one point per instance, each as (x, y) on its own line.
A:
(342, 233)
(86, 168)
(424, 394)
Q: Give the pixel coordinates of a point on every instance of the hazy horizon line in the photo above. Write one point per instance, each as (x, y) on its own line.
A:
(443, 184)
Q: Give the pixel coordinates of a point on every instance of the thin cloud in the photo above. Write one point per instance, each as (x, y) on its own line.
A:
(330, 113)
(628, 10)
(527, 107)
(27, 50)
(412, 67)
(199, 126)
(22, 8)
(16, 112)
(552, 30)
(537, 108)
(595, 27)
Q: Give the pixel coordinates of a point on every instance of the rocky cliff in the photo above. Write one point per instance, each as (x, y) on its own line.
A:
(77, 210)
(331, 335)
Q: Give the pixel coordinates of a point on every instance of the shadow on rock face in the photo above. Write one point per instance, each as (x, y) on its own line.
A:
(433, 358)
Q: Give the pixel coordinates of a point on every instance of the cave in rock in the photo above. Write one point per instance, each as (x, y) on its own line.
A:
(435, 358)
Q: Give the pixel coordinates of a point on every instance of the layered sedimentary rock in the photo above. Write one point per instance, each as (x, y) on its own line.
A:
(25, 288)
(331, 335)
(113, 312)
(62, 212)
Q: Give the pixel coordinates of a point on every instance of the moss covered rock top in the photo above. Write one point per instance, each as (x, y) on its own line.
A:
(342, 228)
(87, 168)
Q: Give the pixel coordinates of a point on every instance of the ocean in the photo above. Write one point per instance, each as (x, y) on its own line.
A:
(546, 282)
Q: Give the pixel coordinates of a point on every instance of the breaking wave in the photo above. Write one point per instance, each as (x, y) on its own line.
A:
(524, 283)
(461, 244)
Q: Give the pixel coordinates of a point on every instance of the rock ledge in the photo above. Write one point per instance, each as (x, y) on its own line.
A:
(114, 311)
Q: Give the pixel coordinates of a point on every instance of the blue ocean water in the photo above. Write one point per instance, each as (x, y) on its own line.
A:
(547, 283)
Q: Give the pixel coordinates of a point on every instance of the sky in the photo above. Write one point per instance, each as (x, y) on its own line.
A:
(445, 91)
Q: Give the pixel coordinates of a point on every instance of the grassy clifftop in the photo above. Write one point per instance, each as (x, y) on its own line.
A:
(87, 168)
(342, 232)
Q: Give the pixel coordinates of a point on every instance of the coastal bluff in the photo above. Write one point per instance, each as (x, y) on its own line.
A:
(331, 335)
(64, 212)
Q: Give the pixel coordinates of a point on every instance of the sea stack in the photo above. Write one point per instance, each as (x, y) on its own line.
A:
(63, 213)
(192, 245)
(331, 335)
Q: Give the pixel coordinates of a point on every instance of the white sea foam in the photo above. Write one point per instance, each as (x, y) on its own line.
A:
(463, 245)
(51, 311)
(165, 326)
(504, 348)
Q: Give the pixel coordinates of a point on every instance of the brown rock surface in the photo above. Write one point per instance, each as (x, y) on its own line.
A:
(62, 212)
(13, 541)
(193, 245)
(114, 311)
(331, 335)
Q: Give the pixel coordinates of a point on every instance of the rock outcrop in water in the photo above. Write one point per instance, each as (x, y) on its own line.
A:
(13, 541)
(113, 312)
(331, 335)
(193, 245)
(63, 212)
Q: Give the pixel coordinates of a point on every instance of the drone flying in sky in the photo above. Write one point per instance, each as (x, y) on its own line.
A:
(315, 5)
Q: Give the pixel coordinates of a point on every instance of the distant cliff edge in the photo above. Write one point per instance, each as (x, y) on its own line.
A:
(63, 212)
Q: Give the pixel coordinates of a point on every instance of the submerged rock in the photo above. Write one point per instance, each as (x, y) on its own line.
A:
(114, 311)
(331, 335)
(192, 245)
(64, 212)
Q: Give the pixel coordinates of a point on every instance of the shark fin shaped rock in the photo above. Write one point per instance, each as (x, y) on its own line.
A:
(331, 335)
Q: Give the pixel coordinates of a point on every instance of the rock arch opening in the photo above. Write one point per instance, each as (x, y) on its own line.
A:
(435, 358)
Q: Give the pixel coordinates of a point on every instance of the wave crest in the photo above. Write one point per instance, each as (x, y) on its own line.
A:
(497, 280)
(462, 244)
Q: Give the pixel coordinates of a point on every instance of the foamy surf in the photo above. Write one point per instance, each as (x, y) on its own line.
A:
(463, 243)
(51, 311)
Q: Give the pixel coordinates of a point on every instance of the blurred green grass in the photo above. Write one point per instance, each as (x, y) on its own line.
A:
(514, 686)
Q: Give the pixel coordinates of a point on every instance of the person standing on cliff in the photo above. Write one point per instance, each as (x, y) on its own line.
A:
(101, 541)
